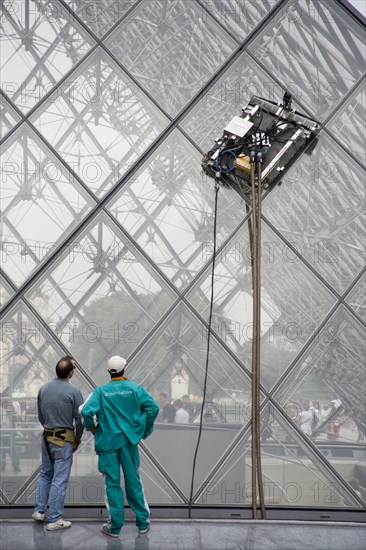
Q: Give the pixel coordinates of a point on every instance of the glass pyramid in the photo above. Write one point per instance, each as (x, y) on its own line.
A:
(107, 239)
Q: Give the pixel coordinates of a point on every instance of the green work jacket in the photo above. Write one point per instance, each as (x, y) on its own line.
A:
(118, 411)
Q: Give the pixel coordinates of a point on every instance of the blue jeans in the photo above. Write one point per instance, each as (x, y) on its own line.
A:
(53, 479)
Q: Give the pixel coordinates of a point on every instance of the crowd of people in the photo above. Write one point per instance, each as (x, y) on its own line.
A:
(9, 414)
(180, 411)
(312, 418)
(18, 420)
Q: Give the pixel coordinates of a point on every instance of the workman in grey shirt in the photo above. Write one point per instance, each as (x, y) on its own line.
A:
(58, 403)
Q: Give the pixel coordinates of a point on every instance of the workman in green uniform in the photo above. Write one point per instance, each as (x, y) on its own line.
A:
(120, 414)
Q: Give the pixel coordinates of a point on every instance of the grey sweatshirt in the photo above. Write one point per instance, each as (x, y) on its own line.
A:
(58, 403)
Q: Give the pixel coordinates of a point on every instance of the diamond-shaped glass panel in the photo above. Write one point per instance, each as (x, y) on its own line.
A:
(226, 98)
(292, 473)
(239, 17)
(99, 122)
(100, 15)
(6, 291)
(325, 394)
(102, 297)
(348, 124)
(293, 301)
(357, 297)
(173, 362)
(40, 43)
(41, 203)
(168, 207)
(156, 487)
(29, 354)
(320, 209)
(8, 117)
(172, 48)
(177, 354)
(316, 50)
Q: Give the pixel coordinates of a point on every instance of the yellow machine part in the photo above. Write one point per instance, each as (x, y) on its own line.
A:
(243, 164)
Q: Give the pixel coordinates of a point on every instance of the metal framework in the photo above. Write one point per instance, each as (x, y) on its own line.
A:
(139, 229)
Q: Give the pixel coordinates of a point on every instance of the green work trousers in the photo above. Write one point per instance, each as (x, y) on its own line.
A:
(109, 464)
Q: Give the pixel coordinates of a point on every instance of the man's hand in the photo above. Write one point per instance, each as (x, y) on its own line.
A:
(75, 445)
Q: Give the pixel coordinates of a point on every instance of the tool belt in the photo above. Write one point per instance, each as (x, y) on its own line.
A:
(58, 436)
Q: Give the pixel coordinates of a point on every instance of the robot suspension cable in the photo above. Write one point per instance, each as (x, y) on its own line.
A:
(255, 236)
(217, 186)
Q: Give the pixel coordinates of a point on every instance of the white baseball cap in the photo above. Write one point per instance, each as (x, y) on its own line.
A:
(116, 364)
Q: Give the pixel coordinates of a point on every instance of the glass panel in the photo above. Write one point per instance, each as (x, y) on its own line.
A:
(6, 291)
(40, 44)
(8, 117)
(172, 48)
(100, 15)
(156, 488)
(357, 297)
(316, 50)
(28, 358)
(41, 203)
(168, 207)
(173, 362)
(239, 17)
(320, 209)
(348, 124)
(292, 474)
(99, 122)
(293, 301)
(360, 8)
(226, 98)
(101, 298)
(326, 395)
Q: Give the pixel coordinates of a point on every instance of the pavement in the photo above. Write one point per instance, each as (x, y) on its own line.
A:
(187, 535)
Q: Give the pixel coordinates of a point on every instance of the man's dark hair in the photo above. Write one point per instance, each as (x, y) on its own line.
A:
(178, 403)
(64, 367)
(163, 394)
(117, 374)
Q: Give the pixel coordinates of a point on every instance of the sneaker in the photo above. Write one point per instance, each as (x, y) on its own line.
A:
(107, 531)
(38, 516)
(59, 524)
(144, 531)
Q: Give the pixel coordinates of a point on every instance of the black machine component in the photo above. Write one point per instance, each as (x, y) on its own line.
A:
(272, 132)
